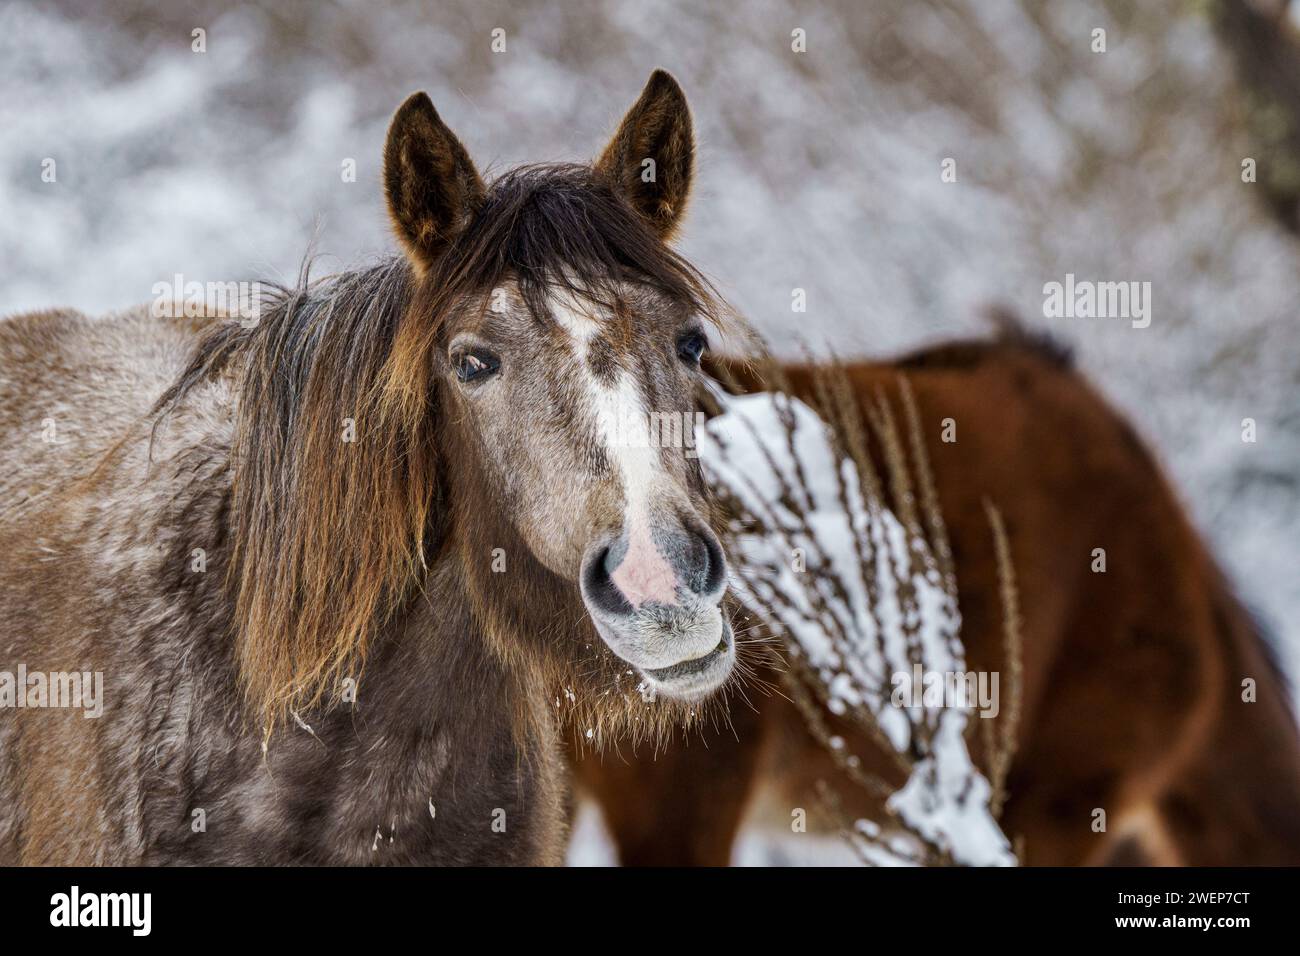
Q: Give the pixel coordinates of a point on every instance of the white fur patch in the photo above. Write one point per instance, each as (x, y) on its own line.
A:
(623, 428)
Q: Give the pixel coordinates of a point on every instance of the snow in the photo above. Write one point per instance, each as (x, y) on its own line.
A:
(773, 453)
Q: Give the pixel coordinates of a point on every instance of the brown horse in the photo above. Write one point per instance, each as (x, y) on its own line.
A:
(1147, 692)
(409, 468)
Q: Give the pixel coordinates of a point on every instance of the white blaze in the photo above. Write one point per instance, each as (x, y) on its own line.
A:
(623, 427)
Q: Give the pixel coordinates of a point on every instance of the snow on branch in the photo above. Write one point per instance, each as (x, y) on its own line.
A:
(853, 571)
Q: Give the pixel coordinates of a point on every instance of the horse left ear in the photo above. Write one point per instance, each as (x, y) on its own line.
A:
(432, 186)
(651, 158)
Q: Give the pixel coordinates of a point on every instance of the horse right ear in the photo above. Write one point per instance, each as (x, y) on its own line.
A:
(432, 186)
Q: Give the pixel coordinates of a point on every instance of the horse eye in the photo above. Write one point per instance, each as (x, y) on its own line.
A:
(475, 365)
(692, 346)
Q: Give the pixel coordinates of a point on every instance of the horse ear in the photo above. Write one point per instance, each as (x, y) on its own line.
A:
(432, 186)
(651, 158)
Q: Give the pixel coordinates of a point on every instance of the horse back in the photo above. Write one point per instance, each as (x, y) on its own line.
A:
(88, 516)
(1135, 650)
(71, 386)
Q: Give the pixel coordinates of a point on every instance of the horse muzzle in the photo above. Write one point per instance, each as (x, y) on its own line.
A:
(657, 603)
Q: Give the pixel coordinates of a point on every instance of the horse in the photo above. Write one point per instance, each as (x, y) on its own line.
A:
(345, 565)
(1154, 723)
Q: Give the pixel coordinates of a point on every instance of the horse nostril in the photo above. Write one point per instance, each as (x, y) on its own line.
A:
(598, 586)
(708, 566)
(608, 562)
(717, 565)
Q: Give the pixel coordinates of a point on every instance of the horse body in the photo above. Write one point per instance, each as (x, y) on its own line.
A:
(1133, 698)
(100, 575)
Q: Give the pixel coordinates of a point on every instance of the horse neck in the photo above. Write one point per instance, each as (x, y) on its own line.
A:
(529, 617)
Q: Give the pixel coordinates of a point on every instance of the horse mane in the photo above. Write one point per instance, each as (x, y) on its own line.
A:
(330, 538)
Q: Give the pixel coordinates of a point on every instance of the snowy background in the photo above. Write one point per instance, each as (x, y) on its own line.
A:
(818, 170)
